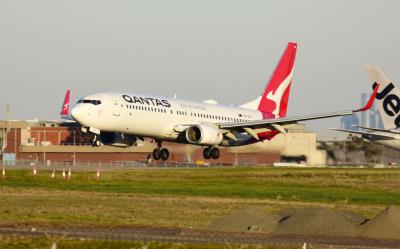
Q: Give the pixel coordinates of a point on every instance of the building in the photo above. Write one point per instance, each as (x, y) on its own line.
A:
(350, 122)
(50, 143)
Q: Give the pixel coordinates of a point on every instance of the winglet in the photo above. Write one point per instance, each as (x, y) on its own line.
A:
(65, 107)
(370, 101)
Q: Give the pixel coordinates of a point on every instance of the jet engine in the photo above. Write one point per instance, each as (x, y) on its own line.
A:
(117, 139)
(204, 135)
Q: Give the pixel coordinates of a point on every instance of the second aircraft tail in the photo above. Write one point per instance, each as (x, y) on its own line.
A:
(388, 97)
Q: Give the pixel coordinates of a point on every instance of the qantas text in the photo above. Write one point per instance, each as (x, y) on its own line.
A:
(147, 101)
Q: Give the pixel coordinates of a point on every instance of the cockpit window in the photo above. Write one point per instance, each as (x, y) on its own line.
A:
(90, 101)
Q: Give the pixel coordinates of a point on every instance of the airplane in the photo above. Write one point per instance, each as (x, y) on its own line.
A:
(388, 104)
(121, 119)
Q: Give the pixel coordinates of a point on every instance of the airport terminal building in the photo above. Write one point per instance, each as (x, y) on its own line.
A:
(51, 142)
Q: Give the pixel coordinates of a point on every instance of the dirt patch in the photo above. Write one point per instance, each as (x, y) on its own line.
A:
(354, 218)
(316, 221)
(251, 219)
(385, 225)
(291, 221)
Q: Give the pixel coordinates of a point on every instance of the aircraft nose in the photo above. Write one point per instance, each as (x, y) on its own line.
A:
(77, 113)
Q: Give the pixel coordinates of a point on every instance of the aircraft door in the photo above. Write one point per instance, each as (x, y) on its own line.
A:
(115, 119)
(116, 109)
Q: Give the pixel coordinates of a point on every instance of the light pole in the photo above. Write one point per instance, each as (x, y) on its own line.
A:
(74, 156)
(44, 146)
(344, 150)
(5, 133)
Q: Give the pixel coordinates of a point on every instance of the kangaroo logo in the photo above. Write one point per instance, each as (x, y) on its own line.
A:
(65, 107)
(276, 96)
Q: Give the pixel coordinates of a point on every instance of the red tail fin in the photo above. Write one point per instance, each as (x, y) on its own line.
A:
(274, 100)
(65, 108)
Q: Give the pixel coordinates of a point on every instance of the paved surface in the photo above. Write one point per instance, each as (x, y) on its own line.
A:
(198, 236)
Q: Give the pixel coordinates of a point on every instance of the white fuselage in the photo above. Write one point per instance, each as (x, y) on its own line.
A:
(154, 117)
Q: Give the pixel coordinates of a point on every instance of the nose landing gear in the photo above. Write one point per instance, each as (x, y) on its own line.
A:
(211, 152)
(95, 142)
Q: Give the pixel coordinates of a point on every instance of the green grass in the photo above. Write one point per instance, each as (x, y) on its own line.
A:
(188, 198)
(361, 186)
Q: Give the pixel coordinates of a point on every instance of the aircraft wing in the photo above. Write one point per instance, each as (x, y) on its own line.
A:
(278, 122)
(283, 121)
(369, 134)
(377, 129)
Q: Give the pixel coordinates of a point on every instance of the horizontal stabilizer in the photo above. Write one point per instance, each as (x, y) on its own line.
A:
(369, 135)
(394, 131)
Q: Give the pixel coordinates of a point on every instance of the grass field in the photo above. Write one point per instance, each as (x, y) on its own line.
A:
(190, 198)
(187, 197)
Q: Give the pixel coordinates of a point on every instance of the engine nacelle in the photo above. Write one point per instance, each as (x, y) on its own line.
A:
(117, 139)
(204, 135)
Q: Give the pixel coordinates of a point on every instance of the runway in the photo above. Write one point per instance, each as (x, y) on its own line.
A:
(178, 235)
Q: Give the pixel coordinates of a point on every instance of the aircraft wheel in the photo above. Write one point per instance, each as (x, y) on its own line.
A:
(206, 153)
(164, 154)
(95, 143)
(156, 154)
(214, 153)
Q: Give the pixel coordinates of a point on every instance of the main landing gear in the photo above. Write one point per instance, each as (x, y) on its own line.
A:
(211, 152)
(160, 153)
